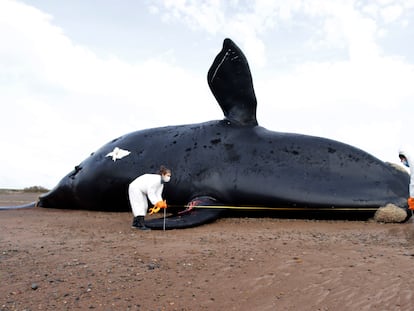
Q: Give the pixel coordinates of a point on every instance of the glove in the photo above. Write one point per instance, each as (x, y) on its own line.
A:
(158, 206)
(410, 203)
(161, 204)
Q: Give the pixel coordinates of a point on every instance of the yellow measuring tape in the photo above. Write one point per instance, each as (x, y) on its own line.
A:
(366, 209)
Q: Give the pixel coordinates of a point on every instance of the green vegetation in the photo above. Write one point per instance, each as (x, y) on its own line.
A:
(32, 189)
(35, 189)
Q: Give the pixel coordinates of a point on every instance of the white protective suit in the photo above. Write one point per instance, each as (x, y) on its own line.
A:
(147, 185)
(411, 167)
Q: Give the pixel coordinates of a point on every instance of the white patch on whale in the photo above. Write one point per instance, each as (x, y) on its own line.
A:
(118, 153)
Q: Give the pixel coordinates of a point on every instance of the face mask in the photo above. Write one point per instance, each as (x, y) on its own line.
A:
(405, 162)
(166, 178)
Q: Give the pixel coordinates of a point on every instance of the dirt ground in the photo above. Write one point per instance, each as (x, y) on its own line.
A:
(78, 260)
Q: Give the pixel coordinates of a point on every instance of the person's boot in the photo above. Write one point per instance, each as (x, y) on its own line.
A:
(142, 223)
(135, 223)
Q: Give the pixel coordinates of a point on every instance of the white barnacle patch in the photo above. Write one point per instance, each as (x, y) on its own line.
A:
(118, 153)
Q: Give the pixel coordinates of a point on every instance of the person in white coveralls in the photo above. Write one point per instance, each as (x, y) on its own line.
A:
(408, 161)
(147, 187)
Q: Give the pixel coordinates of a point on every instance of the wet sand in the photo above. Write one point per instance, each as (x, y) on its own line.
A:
(78, 260)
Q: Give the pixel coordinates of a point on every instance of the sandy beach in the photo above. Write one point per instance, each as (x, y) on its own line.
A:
(54, 259)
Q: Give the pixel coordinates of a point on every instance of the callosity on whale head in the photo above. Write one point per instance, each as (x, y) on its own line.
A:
(231, 162)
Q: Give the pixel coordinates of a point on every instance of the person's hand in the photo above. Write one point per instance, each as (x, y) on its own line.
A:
(158, 206)
(410, 203)
(163, 204)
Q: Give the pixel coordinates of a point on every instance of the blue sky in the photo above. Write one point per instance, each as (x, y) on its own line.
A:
(76, 74)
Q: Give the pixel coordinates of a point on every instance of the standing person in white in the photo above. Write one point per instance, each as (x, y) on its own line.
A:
(147, 187)
(408, 161)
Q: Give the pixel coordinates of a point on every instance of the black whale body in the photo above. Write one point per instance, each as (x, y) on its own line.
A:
(236, 165)
(232, 162)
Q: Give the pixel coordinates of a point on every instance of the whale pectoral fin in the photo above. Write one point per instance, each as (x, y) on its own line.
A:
(197, 213)
(231, 83)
